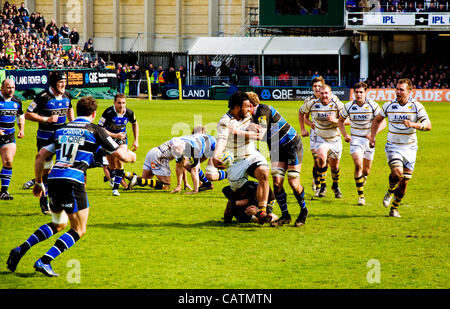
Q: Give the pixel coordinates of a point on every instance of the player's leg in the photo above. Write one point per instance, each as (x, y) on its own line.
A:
(322, 156)
(357, 156)
(74, 199)
(400, 192)
(7, 153)
(335, 174)
(214, 174)
(395, 161)
(261, 173)
(278, 173)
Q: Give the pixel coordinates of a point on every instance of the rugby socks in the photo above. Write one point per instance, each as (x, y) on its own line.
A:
(316, 177)
(63, 243)
(5, 176)
(118, 178)
(360, 185)
(154, 183)
(335, 175)
(301, 198)
(222, 174)
(44, 232)
(202, 177)
(322, 171)
(282, 200)
(392, 185)
(397, 199)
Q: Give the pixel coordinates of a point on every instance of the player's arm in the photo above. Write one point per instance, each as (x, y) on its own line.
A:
(304, 119)
(38, 118)
(195, 178)
(374, 130)
(21, 125)
(220, 147)
(70, 114)
(179, 169)
(135, 128)
(43, 154)
(421, 126)
(341, 125)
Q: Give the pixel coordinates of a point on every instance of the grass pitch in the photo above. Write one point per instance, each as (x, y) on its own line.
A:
(147, 239)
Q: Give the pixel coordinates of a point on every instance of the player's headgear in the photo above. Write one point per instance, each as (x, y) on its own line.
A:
(55, 77)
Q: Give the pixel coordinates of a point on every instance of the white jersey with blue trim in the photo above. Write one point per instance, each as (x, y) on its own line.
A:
(361, 117)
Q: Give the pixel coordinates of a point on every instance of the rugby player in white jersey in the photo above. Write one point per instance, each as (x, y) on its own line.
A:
(247, 159)
(361, 113)
(327, 138)
(317, 84)
(405, 116)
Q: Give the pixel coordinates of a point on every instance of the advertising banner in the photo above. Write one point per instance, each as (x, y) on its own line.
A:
(27, 79)
(188, 92)
(421, 95)
(294, 93)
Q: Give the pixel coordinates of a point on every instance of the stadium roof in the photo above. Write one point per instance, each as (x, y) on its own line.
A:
(271, 46)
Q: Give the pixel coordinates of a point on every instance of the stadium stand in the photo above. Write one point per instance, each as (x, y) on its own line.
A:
(26, 42)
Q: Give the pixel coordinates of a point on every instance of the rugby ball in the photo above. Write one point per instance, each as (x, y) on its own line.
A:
(226, 158)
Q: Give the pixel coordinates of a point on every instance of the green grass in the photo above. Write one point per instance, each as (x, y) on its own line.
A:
(154, 240)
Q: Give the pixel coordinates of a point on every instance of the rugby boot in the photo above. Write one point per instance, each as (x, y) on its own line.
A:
(6, 196)
(206, 186)
(323, 190)
(361, 201)
(133, 181)
(301, 220)
(337, 192)
(28, 184)
(46, 269)
(394, 213)
(284, 219)
(13, 259)
(262, 217)
(387, 199)
(115, 192)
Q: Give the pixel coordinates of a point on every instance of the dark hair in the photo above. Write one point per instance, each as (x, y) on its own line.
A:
(119, 95)
(360, 85)
(237, 99)
(86, 106)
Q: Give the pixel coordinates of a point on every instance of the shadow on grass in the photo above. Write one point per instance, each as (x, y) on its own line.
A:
(211, 223)
(21, 275)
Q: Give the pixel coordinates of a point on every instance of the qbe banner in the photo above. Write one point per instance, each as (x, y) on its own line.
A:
(421, 95)
(91, 78)
(294, 93)
(27, 79)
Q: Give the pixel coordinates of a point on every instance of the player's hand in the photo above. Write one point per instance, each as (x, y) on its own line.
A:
(21, 134)
(135, 146)
(188, 186)
(2, 132)
(38, 189)
(372, 143)
(407, 123)
(348, 138)
(332, 118)
(52, 119)
(176, 190)
(218, 164)
(120, 135)
(304, 132)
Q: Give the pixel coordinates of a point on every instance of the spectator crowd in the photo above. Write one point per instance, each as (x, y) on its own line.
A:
(28, 42)
(424, 72)
(398, 6)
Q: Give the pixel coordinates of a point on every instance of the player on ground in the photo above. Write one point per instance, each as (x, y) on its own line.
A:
(317, 84)
(115, 119)
(74, 146)
(327, 138)
(10, 110)
(51, 108)
(242, 204)
(247, 159)
(361, 113)
(405, 116)
(286, 155)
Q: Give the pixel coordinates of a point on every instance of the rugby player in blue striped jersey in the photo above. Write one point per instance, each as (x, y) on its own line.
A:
(74, 146)
(10, 111)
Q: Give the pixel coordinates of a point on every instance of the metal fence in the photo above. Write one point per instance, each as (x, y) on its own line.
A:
(259, 80)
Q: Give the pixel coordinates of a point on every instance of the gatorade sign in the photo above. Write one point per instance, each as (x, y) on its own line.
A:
(421, 95)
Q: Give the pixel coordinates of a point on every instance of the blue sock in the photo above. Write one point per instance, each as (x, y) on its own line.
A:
(222, 175)
(118, 179)
(282, 200)
(5, 176)
(44, 232)
(202, 177)
(63, 243)
(301, 199)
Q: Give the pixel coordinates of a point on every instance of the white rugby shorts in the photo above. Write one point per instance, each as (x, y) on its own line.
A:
(361, 144)
(237, 172)
(334, 147)
(407, 154)
(156, 163)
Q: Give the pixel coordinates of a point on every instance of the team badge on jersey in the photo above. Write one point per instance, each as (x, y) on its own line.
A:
(262, 120)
